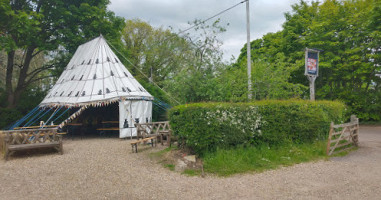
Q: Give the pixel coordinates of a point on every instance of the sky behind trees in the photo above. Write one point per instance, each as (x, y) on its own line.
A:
(265, 16)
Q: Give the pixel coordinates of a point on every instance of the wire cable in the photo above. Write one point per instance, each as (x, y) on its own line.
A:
(197, 24)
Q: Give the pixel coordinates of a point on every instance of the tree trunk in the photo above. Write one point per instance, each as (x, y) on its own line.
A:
(8, 79)
(14, 96)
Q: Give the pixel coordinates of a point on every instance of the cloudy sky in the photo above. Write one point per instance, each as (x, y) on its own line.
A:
(265, 16)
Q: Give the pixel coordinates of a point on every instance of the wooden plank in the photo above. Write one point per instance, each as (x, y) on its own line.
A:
(135, 142)
(337, 142)
(28, 130)
(74, 124)
(336, 133)
(33, 146)
(109, 129)
(345, 125)
(348, 137)
(34, 127)
(110, 122)
(343, 144)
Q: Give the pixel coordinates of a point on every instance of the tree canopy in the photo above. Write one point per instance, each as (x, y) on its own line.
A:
(40, 27)
(37, 39)
(348, 32)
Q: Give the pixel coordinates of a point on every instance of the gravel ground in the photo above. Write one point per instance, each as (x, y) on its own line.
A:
(105, 168)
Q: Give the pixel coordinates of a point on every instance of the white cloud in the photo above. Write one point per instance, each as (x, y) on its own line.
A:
(265, 16)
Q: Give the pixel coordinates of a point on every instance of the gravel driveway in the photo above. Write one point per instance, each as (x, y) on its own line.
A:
(106, 169)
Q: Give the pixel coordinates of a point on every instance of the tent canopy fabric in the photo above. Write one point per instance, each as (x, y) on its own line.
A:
(94, 75)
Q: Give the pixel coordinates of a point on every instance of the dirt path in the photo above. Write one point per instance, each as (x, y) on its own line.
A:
(106, 169)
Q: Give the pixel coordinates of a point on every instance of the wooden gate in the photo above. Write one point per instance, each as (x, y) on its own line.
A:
(343, 137)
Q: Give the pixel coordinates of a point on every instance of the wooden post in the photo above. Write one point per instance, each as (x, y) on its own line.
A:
(329, 138)
(6, 141)
(312, 87)
(355, 120)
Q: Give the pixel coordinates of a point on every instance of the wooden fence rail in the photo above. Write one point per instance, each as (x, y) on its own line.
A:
(152, 131)
(156, 129)
(343, 137)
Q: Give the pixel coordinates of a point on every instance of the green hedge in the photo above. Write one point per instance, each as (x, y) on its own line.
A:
(206, 126)
(8, 116)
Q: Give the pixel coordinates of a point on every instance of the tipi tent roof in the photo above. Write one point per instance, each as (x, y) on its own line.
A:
(94, 75)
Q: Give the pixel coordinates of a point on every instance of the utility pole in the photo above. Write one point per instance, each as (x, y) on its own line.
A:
(248, 50)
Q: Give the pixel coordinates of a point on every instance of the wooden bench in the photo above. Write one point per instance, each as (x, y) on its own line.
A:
(134, 144)
(158, 129)
(20, 140)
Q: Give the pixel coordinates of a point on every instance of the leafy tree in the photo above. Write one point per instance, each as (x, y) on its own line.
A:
(38, 27)
(185, 65)
(270, 80)
(348, 32)
(196, 80)
(156, 52)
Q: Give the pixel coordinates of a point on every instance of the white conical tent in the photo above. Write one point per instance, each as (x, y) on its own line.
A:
(95, 76)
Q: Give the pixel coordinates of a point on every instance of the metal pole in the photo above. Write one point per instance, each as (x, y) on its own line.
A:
(248, 50)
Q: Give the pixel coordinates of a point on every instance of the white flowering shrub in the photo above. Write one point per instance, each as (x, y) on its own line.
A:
(206, 126)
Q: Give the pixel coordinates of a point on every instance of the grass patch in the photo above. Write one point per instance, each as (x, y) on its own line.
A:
(192, 172)
(160, 154)
(170, 166)
(225, 162)
(162, 158)
(344, 153)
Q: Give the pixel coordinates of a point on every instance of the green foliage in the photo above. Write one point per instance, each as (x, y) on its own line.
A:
(225, 162)
(170, 166)
(29, 99)
(184, 65)
(54, 28)
(349, 33)
(270, 80)
(8, 115)
(192, 172)
(157, 52)
(205, 126)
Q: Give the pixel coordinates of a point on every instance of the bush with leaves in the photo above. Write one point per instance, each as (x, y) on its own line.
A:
(203, 127)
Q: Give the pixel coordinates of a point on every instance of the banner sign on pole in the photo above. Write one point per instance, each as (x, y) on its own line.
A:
(312, 62)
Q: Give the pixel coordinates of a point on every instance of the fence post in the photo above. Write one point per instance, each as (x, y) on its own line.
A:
(329, 138)
(355, 138)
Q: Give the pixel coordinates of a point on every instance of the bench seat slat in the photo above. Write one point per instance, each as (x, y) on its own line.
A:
(32, 146)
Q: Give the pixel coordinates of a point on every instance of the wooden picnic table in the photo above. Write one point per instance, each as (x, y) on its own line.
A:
(108, 129)
(106, 126)
(35, 127)
(110, 122)
(74, 124)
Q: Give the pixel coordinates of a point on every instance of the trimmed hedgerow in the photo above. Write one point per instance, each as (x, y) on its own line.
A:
(206, 126)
